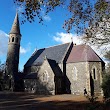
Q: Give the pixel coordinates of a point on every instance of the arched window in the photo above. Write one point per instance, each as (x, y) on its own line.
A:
(12, 39)
(16, 40)
(74, 73)
(45, 76)
(94, 72)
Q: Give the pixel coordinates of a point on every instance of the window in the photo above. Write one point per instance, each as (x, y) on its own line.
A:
(9, 39)
(74, 73)
(12, 39)
(94, 72)
(16, 40)
(45, 76)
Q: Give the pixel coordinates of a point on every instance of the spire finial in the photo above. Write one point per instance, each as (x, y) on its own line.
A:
(71, 39)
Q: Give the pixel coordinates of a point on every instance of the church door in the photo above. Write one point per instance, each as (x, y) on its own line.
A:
(58, 86)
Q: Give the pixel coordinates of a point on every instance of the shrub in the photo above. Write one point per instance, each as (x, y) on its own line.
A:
(106, 86)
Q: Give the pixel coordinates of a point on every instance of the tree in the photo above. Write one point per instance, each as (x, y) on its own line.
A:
(33, 8)
(99, 33)
(83, 12)
(84, 15)
(2, 69)
(106, 77)
(107, 55)
(106, 85)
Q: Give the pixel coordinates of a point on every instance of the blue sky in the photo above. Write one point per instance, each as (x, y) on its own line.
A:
(34, 35)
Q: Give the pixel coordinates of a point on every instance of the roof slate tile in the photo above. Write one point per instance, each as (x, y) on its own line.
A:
(54, 53)
(82, 53)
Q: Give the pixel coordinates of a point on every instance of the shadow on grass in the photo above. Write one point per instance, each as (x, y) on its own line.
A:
(8, 96)
(23, 101)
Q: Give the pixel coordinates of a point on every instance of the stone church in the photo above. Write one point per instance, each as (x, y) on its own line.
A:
(60, 69)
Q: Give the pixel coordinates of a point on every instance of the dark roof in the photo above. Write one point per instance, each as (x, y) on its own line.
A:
(15, 27)
(82, 53)
(31, 76)
(54, 53)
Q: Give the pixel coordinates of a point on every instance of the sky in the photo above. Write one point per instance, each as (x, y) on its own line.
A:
(34, 35)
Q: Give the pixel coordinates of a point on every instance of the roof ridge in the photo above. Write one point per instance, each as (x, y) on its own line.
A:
(54, 46)
(47, 48)
(71, 43)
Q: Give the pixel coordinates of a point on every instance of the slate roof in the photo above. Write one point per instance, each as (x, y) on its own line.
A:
(55, 53)
(83, 53)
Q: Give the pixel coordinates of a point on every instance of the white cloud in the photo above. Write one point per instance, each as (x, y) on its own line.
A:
(3, 43)
(26, 49)
(67, 37)
(47, 18)
(22, 50)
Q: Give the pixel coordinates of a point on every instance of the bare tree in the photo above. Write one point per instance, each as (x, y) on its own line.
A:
(99, 33)
(85, 16)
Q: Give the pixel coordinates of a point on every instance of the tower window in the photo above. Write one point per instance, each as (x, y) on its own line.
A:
(16, 40)
(12, 39)
(9, 39)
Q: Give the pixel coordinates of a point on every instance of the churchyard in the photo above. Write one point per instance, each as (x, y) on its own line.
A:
(26, 101)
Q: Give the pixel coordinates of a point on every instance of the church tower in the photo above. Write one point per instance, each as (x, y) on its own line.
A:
(12, 61)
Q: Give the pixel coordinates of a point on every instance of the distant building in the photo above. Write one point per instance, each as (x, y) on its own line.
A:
(65, 68)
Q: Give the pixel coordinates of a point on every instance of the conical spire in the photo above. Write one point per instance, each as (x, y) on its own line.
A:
(15, 27)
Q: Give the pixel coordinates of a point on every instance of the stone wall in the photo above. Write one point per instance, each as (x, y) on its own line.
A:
(98, 76)
(44, 83)
(30, 85)
(77, 75)
(49, 81)
(31, 69)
